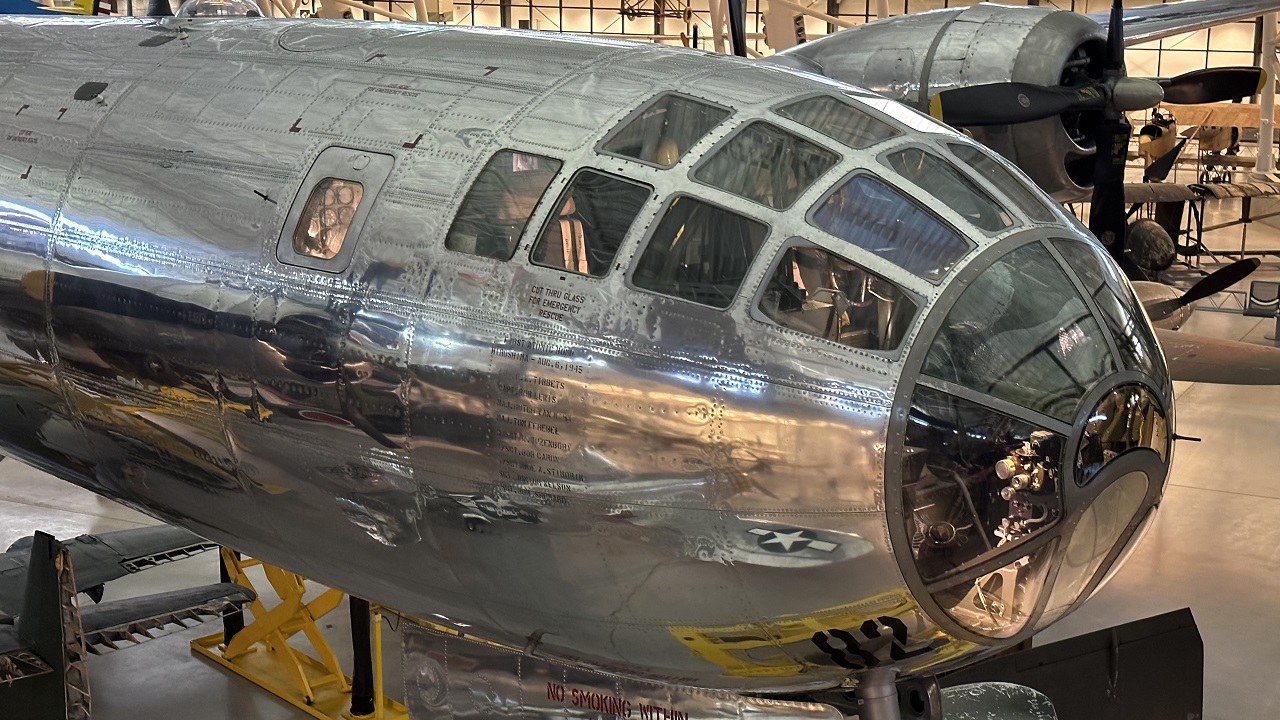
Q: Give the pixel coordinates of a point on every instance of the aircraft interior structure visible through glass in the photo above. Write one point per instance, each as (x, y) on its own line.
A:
(993, 468)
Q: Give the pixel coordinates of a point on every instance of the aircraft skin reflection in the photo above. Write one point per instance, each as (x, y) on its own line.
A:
(630, 474)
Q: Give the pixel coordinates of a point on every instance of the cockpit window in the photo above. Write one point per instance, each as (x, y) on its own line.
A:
(664, 130)
(975, 484)
(876, 218)
(1014, 188)
(593, 216)
(326, 218)
(944, 182)
(908, 116)
(493, 215)
(839, 121)
(766, 164)
(699, 252)
(1021, 333)
(999, 604)
(1120, 309)
(815, 292)
(1101, 526)
(1128, 418)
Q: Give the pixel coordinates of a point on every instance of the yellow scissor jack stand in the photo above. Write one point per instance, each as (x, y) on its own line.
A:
(261, 652)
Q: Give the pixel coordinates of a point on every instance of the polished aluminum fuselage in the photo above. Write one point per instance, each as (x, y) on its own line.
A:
(512, 450)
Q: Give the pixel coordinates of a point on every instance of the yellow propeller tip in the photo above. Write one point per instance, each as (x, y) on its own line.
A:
(935, 106)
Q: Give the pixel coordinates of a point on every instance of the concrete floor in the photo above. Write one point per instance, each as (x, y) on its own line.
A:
(1215, 547)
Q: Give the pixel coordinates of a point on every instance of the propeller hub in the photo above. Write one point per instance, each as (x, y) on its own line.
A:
(1131, 94)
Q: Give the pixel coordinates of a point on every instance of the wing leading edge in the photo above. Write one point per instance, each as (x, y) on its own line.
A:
(100, 558)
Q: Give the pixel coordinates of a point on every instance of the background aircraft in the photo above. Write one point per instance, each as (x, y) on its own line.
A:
(657, 316)
(45, 635)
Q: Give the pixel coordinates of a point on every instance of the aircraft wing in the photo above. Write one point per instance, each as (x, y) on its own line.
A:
(111, 625)
(1195, 358)
(101, 558)
(42, 652)
(1153, 22)
(1218, 115)
(121, 623)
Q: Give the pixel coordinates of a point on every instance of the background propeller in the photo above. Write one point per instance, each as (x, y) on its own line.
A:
(1214, 283)
(1009, 103)
(1160, 168)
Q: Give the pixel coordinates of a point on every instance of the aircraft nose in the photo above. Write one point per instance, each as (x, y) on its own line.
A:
(1036, 439)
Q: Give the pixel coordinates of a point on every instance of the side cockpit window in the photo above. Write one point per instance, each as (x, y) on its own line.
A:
(1016, 189)
(818, 293)
(839, 121)
(766, 164)
(591, 219)
(664, 130)
(699, 252)
(331, 207)
(875, 217)
(948, 185)
(494, 214)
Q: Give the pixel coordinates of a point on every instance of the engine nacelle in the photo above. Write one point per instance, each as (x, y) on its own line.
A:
(911, 58)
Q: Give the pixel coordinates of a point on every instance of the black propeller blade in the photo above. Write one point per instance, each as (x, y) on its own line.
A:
(738, 27)
(1160, 168)
(1213, 85)
(1009, 103)
(1115, 38)
(1107, 217)
(1215, 283)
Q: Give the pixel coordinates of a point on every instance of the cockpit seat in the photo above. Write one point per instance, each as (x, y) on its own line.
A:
(573, 239)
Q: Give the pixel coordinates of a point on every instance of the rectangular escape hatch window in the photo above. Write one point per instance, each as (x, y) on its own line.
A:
(331, 207)
(699, 252)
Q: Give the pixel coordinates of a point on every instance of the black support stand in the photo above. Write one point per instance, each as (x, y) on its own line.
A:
(233, 621)
(1150, 669)
(362, 665)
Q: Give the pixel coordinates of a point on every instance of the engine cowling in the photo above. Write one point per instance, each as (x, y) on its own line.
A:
(1150, 293)
(911, 58)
